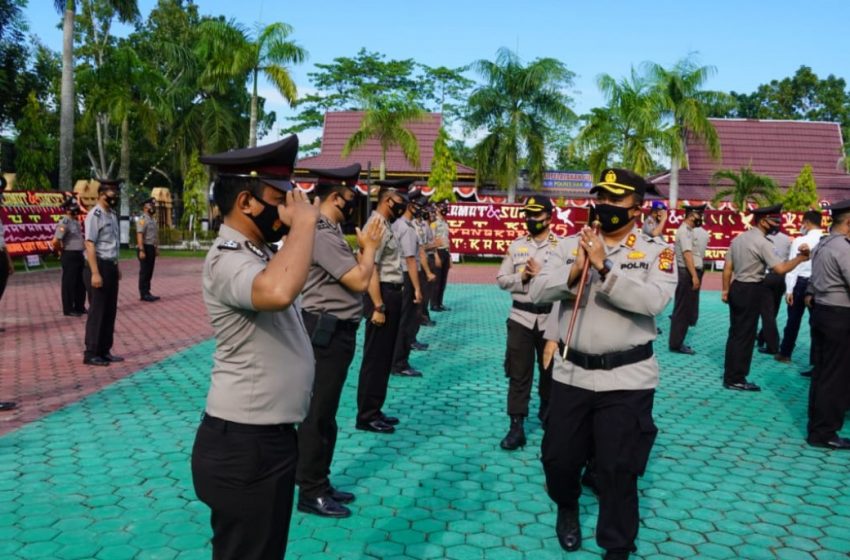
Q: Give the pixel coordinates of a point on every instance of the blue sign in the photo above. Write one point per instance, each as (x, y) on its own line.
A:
(567, 180)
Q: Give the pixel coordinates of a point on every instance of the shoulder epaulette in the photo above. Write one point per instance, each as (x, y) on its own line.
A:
(229, 245)
(97, 212)
(256, 250)
(324, 225)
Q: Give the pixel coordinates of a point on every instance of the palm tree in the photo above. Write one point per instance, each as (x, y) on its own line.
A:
(519, 106)
(686, 107)
(747, 186)
(127, 10)
(628, 127)
(232, 52)
(386, 120)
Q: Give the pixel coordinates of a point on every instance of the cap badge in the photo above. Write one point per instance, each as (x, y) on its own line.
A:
(610, 177)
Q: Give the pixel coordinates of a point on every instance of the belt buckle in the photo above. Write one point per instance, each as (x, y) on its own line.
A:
(604, 362)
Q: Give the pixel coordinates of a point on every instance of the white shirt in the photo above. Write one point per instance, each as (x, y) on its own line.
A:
(804, 269)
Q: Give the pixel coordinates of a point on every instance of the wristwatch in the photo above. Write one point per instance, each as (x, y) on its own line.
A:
(381, 308)
(607, 266)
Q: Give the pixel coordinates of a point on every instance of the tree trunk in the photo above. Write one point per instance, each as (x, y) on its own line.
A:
(124, 168)
(252, 138)
(674, 182)
(67, 102)
(382, 173)
(512, 193)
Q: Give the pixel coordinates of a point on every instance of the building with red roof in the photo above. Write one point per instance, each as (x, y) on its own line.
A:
(778, 149)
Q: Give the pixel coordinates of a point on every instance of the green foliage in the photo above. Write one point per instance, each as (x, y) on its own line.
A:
(803, 194)
(195, 188)
(34, 147)
(443, 169)
(746, 186)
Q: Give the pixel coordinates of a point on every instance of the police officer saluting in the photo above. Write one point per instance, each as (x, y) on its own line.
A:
(68, 242)
(525, 340)
(245, 451)
(749, 255)
(102, 274)
(687, 288)
(147, 243)
(603, 390)
(382, 309)
(829, 287)
(332, 306)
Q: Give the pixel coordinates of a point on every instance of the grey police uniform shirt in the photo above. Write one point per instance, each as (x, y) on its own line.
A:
(781, 245)
(685, 241)
(616, 314)
(146, 225)
(408, 241)
(70, 233)
(509, 277)
(426, 236)
(332, 259)
(102, 230)
(701, 238)
(388, 254)
(263, 365)
(649, 224)
(830, 279)
(441, 230)
(750, 254)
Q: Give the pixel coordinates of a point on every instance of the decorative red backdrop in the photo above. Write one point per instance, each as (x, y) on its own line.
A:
(29, 220)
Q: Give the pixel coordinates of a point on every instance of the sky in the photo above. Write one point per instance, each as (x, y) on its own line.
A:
(750, 42)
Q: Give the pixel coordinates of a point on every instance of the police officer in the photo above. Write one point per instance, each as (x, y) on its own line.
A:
(603, 390)
(102, 274)
(829, 288)
(749, 255)
(701, 239)
(245, 450)
(689, 279)
(412, 296)
(7, 268)
(768, 336)
(332, 306)
(68, 242)
(441, 233)
(525, 341)
(147, 245)
(427, 251)
(382, 309)
(654, 223)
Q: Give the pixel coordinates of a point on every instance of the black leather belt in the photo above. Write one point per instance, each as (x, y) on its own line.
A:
(608, 361)
(227, 425)
(531, 308)
(391, 286)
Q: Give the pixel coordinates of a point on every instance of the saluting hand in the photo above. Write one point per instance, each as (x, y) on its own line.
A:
(593, 246)
(532, 269)
(297, 208)
(371, 238)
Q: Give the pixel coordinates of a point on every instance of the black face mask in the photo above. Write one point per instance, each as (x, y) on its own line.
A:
(397, 210)
(75, 211)
(268, 222)
(348, 208)
(536, 226)
(772, 230)
(612, 217)
(112, 201)
(697, 222)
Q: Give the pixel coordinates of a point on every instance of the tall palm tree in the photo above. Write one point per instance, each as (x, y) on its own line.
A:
(686, 105)
(746, 186)
(627, 128)
(233, 53)
(519, 106)
(387, 120)
(127, 10)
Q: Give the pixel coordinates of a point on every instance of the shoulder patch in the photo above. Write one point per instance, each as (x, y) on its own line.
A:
(229, 245)
(665, 260)
(141, 222)
(256, 250)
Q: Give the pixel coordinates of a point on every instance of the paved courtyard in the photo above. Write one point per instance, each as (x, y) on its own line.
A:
(107, 476)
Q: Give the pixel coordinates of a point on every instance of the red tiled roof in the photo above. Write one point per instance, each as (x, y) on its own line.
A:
(778, 149)
(340, 125)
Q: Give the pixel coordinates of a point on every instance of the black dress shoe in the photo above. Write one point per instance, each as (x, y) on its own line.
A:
(568, 529)
(391, 420)
(8, 405)
(149, 298)
(766, 350)
(407, 372)
(742, 386)
(684, 349)
(324, 506)
(611, 555)
(96, 361)
(341, 497)
(421, 346)
(112, 358)
(837, 442)
(377, 426)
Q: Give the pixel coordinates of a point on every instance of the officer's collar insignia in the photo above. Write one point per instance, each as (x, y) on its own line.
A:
(229, 245)
(256, 250)
(630, 241)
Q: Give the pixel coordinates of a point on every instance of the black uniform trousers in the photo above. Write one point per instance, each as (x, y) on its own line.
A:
(795, 317)
(616, 427)
(442, 277)
(73, 287)
(408, 326)
(829, 393)
(524, 345)
(428, 289)
(246, 475)
(103, 307)
(317, 432)
(695, 314)
(768, 336)
(146, 270)
(684, 307)
(378, 353)
(745, 304)
(4, 272)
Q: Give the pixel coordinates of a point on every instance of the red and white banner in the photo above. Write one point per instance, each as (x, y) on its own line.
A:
(29, 220)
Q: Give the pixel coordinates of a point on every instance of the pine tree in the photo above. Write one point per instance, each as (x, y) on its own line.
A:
(803, 194)
(443, 169)
(34, 148)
